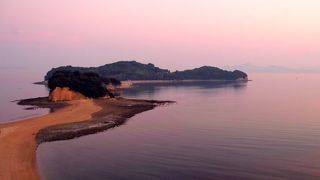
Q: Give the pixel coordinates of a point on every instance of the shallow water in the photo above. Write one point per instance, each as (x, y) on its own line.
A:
(266, 129)
(16, 84)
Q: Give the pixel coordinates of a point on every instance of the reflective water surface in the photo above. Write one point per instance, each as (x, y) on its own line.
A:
(266, 129)
(16, 84)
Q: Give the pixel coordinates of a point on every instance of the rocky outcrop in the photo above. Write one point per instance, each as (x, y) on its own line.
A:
(65, 94)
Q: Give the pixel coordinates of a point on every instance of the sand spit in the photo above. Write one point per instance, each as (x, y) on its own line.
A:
(19, 140)
(114, 113)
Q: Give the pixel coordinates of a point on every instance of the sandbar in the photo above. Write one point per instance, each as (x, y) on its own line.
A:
(19, 140)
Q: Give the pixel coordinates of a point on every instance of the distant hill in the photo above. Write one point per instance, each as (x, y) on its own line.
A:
(132, 70)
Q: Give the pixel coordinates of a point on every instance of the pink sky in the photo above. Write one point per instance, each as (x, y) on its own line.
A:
(174, 34)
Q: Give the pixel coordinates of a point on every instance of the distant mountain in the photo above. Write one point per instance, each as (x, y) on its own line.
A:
(272, 69)
(132, 70)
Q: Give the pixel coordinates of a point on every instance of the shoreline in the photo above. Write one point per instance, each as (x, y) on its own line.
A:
(182, 81)
(19, 139)
(114, 112)
(129, 83)
(35, 103)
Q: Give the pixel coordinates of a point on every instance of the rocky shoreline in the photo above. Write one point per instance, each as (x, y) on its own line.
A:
(42, 102)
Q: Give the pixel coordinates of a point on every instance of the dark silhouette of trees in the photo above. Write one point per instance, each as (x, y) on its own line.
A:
(112, 81)
(88, 83)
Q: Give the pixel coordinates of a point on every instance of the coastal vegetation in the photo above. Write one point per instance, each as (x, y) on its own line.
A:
(132, 70)
(88, 84)
(112, 81)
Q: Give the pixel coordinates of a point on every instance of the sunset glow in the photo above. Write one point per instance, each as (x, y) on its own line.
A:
(179, 34)
(159, 89)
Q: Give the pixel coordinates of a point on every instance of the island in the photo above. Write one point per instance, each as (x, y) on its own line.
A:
(133, 70)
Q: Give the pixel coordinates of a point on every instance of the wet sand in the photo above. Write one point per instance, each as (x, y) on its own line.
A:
(19, 140)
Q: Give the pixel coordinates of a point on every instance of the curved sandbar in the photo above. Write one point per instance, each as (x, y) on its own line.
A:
(19, 140)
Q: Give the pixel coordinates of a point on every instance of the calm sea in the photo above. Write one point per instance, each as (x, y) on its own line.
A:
(17, 83)
(266, 129)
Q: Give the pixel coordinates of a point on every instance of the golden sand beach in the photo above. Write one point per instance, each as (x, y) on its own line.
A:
(17, 140)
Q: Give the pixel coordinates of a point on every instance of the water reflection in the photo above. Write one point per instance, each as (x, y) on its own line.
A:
(154, 88)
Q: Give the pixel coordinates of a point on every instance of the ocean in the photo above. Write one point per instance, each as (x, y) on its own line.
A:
(268, 128)
(17, 84)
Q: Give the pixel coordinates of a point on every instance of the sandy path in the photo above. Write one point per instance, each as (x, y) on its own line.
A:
(17, 140)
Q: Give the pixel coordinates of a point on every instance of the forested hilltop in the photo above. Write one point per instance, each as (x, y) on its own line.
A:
(132, 70)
